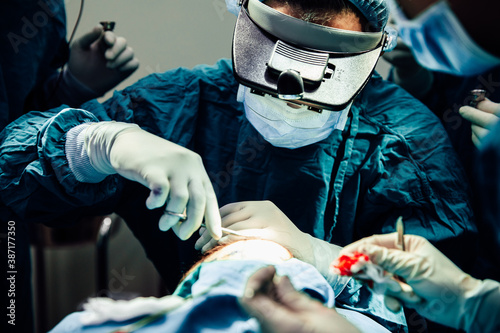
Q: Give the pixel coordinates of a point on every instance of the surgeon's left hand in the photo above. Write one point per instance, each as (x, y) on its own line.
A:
(280, 308)
(260, 219)
(482, 119)
(100, 60)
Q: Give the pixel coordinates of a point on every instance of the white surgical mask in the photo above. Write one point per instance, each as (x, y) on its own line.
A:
(440, 43)
(287, 127)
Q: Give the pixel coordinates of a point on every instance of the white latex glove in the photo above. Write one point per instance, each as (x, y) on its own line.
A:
(174, 174)
(482, 118)
(280, 308)
(262, 219)
(450, 296)
(101, 60)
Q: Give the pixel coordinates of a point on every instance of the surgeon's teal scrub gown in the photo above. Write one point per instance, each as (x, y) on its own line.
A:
(393, 159)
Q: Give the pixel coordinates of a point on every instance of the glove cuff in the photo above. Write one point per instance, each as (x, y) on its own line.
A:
(98, 141)
(481, 311)
(323, 255)
(78, 159)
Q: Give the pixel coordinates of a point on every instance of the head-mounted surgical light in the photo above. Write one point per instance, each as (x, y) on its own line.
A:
(291, 59)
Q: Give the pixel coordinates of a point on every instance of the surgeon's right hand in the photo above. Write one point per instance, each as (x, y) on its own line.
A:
(450, 296)
(174, 174)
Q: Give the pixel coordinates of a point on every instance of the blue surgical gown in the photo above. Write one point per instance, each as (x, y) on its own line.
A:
(393, 159)
(447, 94)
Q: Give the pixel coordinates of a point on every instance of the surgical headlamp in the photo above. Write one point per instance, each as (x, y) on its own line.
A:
(299, 61)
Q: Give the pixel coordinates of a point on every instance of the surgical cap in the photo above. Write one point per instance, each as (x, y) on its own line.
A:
(375, 11)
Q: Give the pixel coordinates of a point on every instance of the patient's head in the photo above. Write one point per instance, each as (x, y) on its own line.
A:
(245, 249)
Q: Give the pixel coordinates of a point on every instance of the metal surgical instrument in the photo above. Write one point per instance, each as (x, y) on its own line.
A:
(228, 231)
(400, 230)
(108, 25)
(477, 96)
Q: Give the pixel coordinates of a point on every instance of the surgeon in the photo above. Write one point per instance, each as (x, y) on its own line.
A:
(452, 48)
(298, 117)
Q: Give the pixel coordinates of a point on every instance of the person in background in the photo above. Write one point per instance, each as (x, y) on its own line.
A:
(448, 52)
(34, 50)
(39, 71)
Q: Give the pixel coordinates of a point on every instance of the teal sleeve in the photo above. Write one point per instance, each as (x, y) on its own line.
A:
(36, 181)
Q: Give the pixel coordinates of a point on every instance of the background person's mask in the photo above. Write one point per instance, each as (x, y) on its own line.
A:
(287, 127)
(439, 41)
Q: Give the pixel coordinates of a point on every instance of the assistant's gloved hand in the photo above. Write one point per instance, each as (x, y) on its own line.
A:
(264, 220)
(100, 60)
(174, 174)
(482, 118)
(450, 296)
(280, 308)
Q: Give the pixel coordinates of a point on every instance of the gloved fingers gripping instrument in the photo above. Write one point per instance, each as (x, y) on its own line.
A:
(299, 61)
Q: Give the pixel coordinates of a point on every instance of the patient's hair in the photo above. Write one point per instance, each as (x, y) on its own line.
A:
(321, 11)
(215, 249)
(207, 254)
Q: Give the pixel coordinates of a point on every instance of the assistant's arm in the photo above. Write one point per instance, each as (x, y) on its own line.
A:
(448, 295)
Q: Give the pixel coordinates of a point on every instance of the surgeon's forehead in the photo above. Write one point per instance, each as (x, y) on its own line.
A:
(346, 20)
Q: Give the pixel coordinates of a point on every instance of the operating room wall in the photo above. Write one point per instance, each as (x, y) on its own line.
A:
(164, 34)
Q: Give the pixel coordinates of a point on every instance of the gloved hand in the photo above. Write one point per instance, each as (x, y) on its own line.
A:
(264, 220)
(482, 119)
(280, 308)
(101, 60)
(174, 174)
(450, 296)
